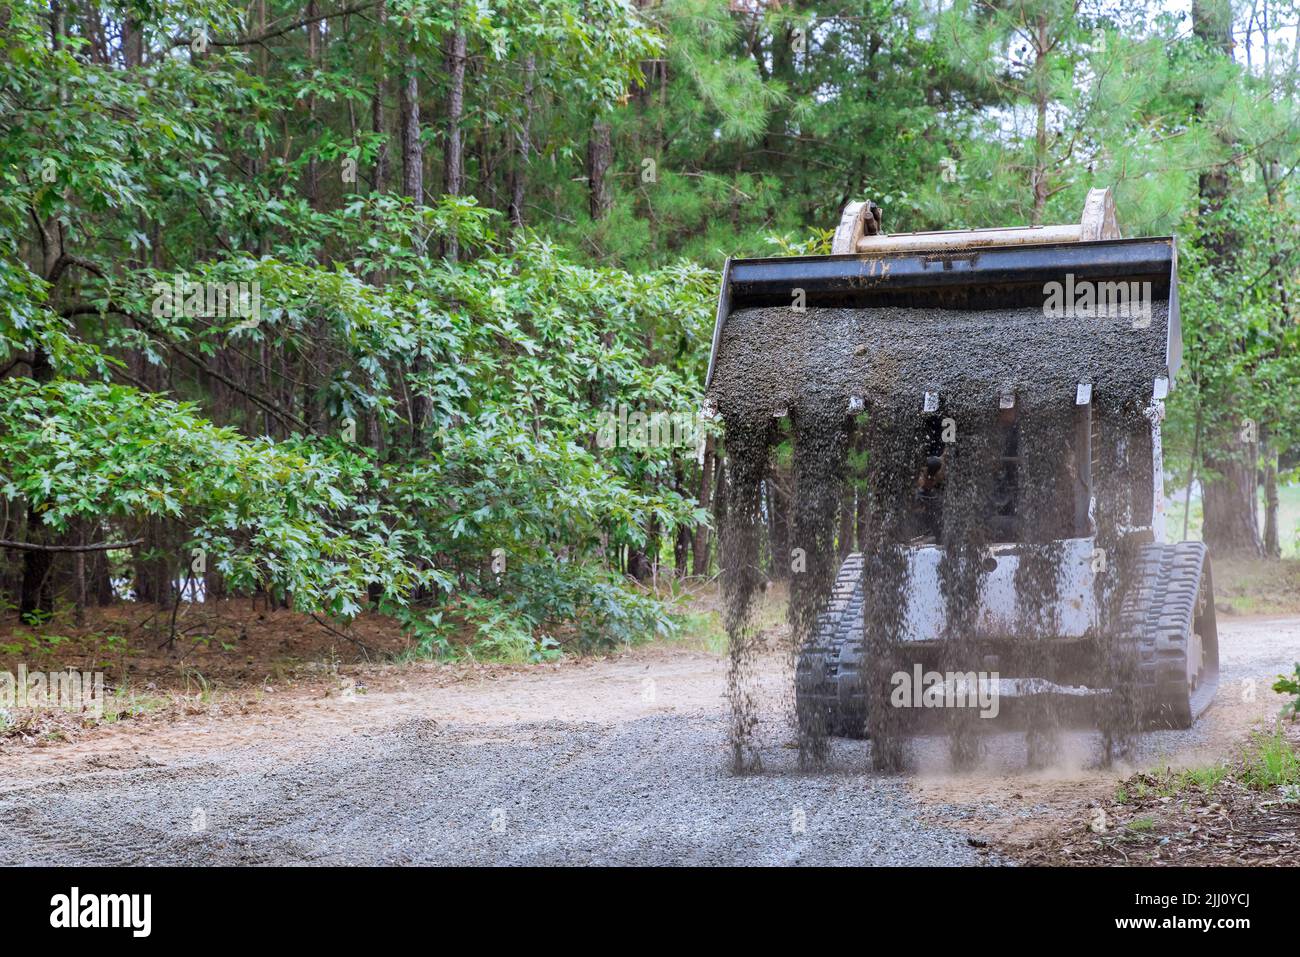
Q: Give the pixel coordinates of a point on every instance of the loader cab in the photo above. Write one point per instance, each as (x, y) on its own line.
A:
(1051, 453)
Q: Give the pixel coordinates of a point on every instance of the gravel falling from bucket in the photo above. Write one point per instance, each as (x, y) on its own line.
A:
(806, 367)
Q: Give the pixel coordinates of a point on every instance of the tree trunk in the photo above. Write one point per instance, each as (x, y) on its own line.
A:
(778, 517)
(719, 497)
(638, 564)
(132, 43)
(700, 547)
(79, 579)
(600, 152)
(314, 37)
(103, 580)
(523, 146)
(652, 550)
(36, 595)
(378, 122)
(1231, 512)
(1272, 538)
(412, 186)
(682, 538)
(412, 146)
(454, 161)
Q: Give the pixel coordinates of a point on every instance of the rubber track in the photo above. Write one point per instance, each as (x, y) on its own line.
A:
(830, 668)
(1158, 615)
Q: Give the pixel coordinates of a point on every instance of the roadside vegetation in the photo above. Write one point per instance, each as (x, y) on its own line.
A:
(1245, 810)
(325, 309)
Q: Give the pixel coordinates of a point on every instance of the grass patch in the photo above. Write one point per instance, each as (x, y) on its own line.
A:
(704, 631)
(1207, 779)
(1258, 586)
(1270, 762)
(125, 704)
(1242, 811)
(703, 627)
(1167, 782)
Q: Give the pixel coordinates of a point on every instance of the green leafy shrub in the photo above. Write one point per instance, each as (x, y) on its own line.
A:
(1290, 685)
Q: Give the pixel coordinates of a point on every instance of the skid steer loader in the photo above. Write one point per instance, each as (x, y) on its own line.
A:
(1132, 629)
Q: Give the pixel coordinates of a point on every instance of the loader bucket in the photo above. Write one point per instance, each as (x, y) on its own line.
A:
(1007, 388)
(957, 279)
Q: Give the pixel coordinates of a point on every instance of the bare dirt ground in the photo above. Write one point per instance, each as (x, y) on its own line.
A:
(1032, 816)
(616, 760)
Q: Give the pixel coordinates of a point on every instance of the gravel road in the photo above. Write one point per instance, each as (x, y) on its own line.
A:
(579, 766)
(649, 791)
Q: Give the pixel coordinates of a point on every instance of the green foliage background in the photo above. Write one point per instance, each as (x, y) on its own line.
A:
(219, 154)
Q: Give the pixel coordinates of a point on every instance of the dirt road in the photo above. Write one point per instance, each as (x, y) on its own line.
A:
(618, 761)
